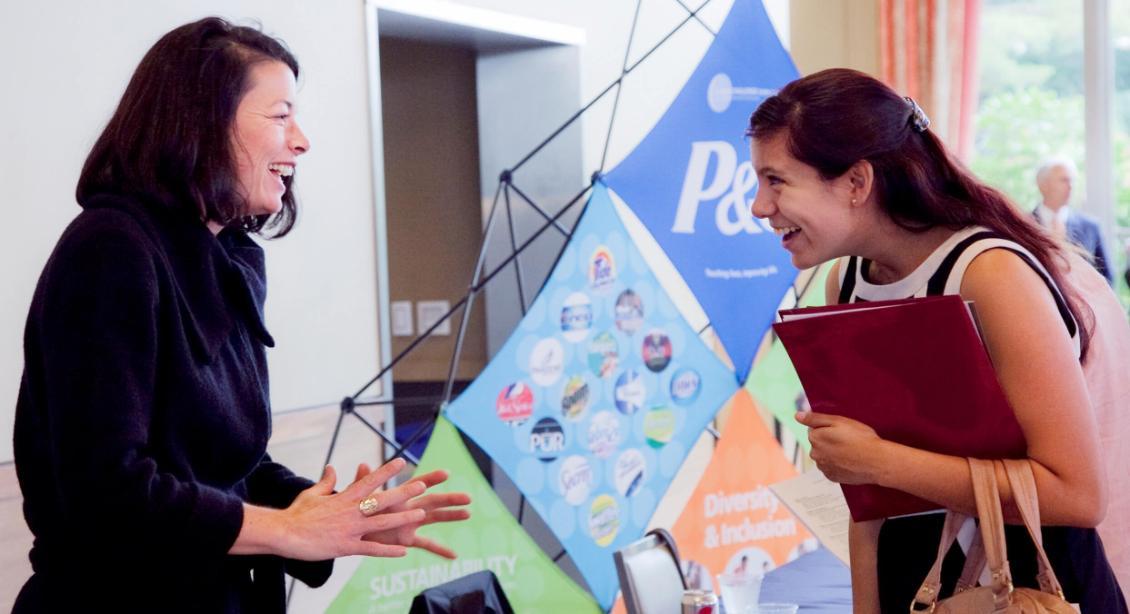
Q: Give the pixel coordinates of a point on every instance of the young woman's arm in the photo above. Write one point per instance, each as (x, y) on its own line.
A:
(863, 537)
(1043, 381)
(863, 542)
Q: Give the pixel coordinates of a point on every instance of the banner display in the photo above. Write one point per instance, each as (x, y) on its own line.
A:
(774, 382)
(690, 181)
(733, 522)
(593, 403)
(492, 539)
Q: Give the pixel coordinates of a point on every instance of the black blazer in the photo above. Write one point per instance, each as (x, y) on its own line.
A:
(143, 419)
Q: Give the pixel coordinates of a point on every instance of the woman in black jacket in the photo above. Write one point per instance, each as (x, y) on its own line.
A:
(143, 415)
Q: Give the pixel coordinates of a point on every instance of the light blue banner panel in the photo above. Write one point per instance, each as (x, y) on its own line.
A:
(595, 400)
(691, 183)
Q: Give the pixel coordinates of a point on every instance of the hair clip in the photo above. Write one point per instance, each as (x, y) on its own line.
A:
(917, 115)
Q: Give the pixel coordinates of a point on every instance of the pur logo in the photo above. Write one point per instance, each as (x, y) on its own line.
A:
(730, 189)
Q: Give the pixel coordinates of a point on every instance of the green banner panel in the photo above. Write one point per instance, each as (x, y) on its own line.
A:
(774, 382)
(492, 539)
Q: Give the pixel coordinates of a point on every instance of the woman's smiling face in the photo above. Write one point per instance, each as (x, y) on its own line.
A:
(266, 139)
(814, 217)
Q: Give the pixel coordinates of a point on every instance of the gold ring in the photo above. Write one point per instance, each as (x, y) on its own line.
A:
(368, 505)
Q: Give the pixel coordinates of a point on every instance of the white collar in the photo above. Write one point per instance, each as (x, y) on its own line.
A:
(1046, 215)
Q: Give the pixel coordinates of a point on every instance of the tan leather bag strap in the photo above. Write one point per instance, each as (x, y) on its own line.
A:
(974, 564)
(992, 529)
(1023, 484)
(928, 592)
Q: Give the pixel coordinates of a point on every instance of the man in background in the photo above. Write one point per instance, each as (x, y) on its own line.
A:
(1054, 178)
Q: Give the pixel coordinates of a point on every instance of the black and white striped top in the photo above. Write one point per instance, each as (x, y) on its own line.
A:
(942, 273)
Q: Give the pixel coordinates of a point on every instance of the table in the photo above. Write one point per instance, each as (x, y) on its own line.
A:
(817, 581)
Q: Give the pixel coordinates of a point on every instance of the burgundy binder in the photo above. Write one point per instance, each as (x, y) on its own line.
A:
(915, 370)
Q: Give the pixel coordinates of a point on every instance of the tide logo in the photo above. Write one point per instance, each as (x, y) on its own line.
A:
(729, 188)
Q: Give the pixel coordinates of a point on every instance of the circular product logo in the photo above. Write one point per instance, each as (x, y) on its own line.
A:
(604, 520)
(630, 392)
(547, 439)
(604, 354)
(602, 269)
(720, 93)
(575, 479)
(686, 383)
(631, 471)
(575, 398)
(659, 426)
(604, 434)
(576, 317)
(515, 404)
(629, 312)
(656, 350)
(547, 361)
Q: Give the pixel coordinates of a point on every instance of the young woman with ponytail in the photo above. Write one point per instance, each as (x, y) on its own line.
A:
(849, 171)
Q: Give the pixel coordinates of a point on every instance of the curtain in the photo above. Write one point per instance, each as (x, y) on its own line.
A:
(928, 51)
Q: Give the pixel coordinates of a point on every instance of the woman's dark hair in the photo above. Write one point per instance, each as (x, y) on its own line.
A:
(169, 139)
(837, 117)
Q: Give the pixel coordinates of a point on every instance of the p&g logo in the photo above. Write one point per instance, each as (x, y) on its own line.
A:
(729, 188)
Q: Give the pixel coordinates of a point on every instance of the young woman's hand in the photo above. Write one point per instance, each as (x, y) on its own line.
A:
(437, 507)
(846, 451)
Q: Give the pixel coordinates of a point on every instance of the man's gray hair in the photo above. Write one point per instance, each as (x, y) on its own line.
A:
(1056, 161)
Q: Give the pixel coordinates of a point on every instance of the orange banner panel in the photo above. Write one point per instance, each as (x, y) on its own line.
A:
(732, 521)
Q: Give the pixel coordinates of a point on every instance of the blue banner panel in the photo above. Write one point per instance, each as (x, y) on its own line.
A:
(691, 183)
(595, 400)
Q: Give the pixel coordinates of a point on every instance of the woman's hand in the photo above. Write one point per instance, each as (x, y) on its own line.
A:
(437, 507)
(320, 524)
(845, 450)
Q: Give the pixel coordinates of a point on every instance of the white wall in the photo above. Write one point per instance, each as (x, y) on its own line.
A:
(64, 65)
(649, 90)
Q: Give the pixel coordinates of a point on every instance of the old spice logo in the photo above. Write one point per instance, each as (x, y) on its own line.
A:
(515, 403)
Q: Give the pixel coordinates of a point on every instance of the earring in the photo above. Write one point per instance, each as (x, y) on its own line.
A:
(853, 201)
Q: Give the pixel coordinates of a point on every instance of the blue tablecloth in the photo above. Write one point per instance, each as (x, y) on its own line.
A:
(818, 581)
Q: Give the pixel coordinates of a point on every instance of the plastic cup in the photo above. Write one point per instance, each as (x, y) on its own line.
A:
(776, 608)
(740, 592)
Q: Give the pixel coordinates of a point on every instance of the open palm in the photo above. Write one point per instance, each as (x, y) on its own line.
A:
(437, 507)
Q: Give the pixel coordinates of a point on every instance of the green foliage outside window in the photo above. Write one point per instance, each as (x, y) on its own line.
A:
(1016, 130)
(1031, 101)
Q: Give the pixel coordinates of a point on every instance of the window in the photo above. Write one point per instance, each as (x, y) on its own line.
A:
(1031, 93)
(1120, 39)
(1031, 102)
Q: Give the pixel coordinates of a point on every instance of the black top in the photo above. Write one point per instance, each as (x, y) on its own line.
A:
(143, 419)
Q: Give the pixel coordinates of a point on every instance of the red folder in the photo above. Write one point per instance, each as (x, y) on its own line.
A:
(914, 370)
